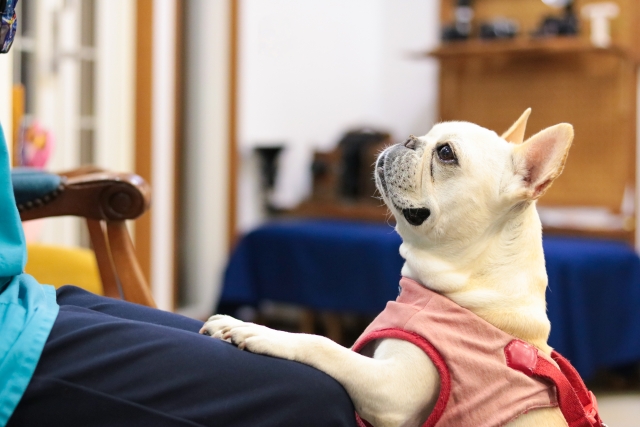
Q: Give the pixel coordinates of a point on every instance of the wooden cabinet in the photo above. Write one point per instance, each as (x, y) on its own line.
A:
(563, 79)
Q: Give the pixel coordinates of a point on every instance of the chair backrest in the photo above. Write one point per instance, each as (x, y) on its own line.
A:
(106, 200)
(62, 265)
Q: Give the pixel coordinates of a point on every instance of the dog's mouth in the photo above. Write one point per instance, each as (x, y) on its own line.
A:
(416, 216)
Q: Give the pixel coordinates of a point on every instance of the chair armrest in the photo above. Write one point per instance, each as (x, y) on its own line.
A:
(82, 170)
(94, 195)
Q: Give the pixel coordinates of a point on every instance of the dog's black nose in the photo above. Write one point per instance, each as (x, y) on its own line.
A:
(416, 216)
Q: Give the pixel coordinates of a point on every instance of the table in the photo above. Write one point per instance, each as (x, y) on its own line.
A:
(593, 297)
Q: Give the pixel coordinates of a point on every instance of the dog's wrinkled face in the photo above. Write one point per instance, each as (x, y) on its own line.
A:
(463, 198)
(447, 182)
(460, 180)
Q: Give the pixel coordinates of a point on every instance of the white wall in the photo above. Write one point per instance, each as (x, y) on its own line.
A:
(203, 228)
(309, 70)
(115, 93)
(162, 152)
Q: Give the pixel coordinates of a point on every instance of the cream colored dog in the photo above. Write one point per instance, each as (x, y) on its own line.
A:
(464, 200)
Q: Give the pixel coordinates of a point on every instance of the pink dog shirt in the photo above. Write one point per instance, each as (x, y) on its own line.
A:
(487, 377)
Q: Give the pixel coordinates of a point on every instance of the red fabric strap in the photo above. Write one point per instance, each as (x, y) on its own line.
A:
(574, 378)
(586, 397)
(578, 405)
(432, 353)
(570, 405)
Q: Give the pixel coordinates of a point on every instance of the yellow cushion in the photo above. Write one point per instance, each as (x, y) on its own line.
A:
(58, 266)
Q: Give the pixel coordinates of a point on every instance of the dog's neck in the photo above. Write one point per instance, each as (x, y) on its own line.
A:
(500, 277)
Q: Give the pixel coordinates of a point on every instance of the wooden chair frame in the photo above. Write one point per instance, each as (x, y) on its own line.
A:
(106, 200)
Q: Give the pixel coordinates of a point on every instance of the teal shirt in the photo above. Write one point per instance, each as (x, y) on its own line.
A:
(27, 309)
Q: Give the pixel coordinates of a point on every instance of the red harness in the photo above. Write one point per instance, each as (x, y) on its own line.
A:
(578, 405)
(481, 367)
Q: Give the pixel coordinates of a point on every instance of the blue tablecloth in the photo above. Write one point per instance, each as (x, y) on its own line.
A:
(593, 296)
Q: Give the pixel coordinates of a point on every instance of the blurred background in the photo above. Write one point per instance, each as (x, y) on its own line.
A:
(257, 123)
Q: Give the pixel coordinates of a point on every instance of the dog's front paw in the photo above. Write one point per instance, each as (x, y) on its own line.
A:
(219, 324)
(249, 336)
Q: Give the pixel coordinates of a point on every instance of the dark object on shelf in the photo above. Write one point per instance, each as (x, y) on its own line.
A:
(347, 172)
(451, 33)
(268, 159)
(358, 147)
(343, 182)
(461, 27)
(269, 170)
(565, 25)
(499, 28)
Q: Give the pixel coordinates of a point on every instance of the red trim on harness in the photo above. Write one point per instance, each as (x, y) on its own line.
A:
(587, 399)
(434, 355)
(521, 356)
(578, 405)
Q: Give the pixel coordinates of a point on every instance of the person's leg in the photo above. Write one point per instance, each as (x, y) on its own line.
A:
(77, 297)
(100, 370)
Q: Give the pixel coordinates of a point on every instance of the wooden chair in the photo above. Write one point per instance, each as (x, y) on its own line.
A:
(106, 200)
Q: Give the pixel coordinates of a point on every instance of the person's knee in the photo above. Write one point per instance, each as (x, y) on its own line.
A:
(71, 295)
(325, 401)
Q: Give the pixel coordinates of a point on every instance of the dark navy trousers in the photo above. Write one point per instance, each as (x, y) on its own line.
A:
(112, 363)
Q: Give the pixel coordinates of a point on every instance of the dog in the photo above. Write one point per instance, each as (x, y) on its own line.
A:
(464, 202)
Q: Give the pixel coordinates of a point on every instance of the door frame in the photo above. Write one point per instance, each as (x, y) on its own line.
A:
(159, 132)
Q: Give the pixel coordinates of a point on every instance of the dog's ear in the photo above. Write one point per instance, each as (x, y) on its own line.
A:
(515, 134)
(542, 157)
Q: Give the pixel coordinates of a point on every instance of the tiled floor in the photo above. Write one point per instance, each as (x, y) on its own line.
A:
(619, 410)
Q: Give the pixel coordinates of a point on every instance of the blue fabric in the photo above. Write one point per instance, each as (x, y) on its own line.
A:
(110, 363)
(30, 184)
(593, 296)
(13, 255)
(27, 309)
(593, 301)
(326, 265)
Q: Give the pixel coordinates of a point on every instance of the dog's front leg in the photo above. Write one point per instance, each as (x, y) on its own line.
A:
(254, 338)
(397, 387)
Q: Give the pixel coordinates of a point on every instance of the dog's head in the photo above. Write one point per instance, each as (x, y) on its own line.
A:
(460, 181)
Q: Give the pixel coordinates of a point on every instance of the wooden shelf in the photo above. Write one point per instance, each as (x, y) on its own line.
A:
(356, 211)
(523, 46)
(622, 235)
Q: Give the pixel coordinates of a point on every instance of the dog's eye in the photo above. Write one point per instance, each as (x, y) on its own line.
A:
(446, 154)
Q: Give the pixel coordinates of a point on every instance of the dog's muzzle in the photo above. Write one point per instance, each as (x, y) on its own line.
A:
(416, 216)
